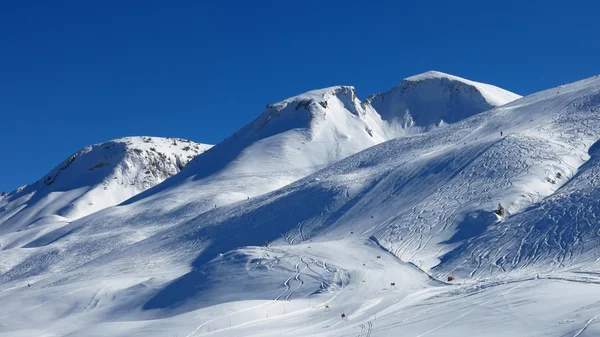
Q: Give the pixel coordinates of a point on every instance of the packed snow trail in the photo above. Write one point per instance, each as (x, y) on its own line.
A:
(585, 326)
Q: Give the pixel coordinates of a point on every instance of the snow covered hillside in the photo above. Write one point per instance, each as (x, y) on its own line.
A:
(310, 222)
(94, 178)
(423, 196)
(558, 232)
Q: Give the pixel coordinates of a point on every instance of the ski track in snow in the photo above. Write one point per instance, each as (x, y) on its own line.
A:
(469, 311)
(585, 326)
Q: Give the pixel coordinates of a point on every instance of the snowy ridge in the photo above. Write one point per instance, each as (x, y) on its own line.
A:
(94, 178)
(293, 127)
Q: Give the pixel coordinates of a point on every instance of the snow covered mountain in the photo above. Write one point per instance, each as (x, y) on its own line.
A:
(422, 197)
(272, 232)
(94, 178)
(302, 134)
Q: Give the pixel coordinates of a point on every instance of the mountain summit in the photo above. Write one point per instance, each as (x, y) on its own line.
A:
(433, 97)
(96, 177)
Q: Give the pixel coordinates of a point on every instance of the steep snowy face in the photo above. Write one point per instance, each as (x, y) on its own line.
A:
(96, 177)
(433, 97)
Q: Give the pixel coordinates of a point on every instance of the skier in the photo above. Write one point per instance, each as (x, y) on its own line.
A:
(500, 210)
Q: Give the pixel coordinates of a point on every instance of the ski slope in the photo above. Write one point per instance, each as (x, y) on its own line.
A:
(559, 231)
(221, 250)
(302, 290)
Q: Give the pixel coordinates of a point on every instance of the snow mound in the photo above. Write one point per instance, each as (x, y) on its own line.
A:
(96, 177)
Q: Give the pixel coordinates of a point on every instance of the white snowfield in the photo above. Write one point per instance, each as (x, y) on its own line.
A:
(305, 223)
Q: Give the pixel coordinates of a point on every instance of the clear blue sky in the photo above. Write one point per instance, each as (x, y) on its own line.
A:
(74, 73)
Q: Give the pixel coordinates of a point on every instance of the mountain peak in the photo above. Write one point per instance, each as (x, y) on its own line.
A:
(127, 152)
(493, 95)
(302, 110)
(96, 177)
(434, 74)
(431, 97)
(314, 96)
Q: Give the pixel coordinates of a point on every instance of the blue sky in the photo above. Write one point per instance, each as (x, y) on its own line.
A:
(74, 73)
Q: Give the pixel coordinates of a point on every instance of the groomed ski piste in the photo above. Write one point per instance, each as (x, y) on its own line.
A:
(373, 235)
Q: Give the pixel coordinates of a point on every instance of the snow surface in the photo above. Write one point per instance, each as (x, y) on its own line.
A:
(255, 238)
